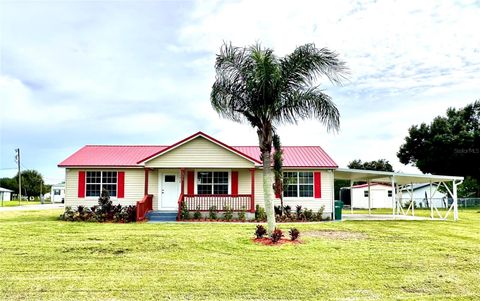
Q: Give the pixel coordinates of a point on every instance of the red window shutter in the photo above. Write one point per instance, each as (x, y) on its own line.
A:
(317, 184)
(234, 182)
(121, 184)
(190, 182)
(81, 184)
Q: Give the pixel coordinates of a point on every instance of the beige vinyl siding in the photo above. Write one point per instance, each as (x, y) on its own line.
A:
(153, 186)
(134, 187)
(199, 152)
(308, 203)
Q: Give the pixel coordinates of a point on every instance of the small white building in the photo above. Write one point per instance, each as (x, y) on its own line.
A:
(5, 194)
(381, 196)
(421, 195)
(57, 194)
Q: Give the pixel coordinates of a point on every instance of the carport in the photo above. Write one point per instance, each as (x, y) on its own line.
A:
(401, 181)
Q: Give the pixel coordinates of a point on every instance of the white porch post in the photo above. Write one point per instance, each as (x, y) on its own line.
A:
(455, 201)
(369, 199)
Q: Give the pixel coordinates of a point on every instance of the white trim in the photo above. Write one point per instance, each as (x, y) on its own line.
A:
(195, 137)
(298, 197)
(101, 182)
(195, 191)
(161, 175)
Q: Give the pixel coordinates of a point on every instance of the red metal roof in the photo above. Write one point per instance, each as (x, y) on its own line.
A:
(110, 155)
(132, 155)
(296, 156)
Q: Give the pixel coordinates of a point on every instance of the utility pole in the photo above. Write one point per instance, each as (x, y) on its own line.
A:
(17, 158)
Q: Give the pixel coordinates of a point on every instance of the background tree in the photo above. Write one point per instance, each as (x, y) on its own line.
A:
(254, 85)
(380, 165)
(448, 145)
(32, 181)
(9, 183)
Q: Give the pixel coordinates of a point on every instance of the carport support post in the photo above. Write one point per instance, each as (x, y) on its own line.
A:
(430, 201)
(455, 201)
(412, 201)
(394, 203)
(351, 197)
(369, 199)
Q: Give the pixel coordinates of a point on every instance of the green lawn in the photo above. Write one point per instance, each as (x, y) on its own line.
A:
(43, 258)
(15, 203)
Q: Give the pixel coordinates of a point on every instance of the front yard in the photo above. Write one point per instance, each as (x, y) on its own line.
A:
(43, 258)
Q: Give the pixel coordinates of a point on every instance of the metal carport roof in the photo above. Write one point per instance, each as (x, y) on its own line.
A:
(386, 177)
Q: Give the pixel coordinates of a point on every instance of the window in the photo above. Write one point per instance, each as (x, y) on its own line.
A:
(212, 182)
(169, 178)
(365, 193)
(389, 193)
(98, 180)
(56, 192)
(299, 184)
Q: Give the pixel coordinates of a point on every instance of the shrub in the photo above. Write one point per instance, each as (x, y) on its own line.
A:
(260, 214)
(278, 210)
(294, 234)
(308, 214)
(260, 231)
(228, 214)
(104, 211)
(299, 210)
(197, 214)
(319, 214)
(184, 213)
(241, 214)
(288, 210)
(212, 212)
(276, 235)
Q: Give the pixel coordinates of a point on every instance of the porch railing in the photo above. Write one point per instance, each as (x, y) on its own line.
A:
(203, 202)
(143, 206)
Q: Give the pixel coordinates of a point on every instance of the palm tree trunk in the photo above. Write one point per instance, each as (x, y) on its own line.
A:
(267, 191)
(265, 133)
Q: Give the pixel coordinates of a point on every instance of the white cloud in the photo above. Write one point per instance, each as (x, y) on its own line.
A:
(141, 72)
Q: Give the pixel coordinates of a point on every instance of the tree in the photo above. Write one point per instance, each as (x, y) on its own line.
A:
(448, 145)
(32, 181)
(252, 84)
(380, 165)
(9, 183)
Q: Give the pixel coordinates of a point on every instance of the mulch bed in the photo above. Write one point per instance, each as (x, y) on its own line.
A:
(268, 242)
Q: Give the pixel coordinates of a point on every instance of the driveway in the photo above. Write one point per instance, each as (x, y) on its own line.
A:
(380, 217)
(32, 207)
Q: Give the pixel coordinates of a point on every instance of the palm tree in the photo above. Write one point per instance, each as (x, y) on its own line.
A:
(252, 84)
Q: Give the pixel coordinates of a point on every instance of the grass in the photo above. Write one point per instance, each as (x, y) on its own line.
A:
(15, 203)
(42, 258)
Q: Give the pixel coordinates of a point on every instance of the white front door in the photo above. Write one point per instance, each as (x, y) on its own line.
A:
(169, 190)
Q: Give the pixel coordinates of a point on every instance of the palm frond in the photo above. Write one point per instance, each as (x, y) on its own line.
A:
(307, 62)
(309, 103)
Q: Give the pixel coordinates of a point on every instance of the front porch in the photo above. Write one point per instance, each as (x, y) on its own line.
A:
(173, 187)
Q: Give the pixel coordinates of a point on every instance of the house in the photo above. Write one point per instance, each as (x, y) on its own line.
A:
(5, 194)
(381, 196)
(57, 194)
(199, 170)
(421, 194)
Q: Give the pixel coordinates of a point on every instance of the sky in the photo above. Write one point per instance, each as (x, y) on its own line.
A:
(140, 72)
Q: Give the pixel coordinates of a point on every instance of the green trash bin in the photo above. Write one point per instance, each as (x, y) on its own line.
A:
(338, 210)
